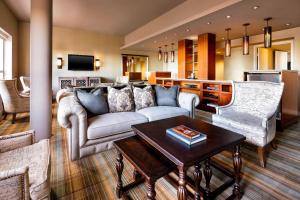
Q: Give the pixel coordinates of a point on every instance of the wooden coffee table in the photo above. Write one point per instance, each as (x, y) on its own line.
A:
(218, 139)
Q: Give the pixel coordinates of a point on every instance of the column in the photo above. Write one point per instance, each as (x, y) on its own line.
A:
(40, 67)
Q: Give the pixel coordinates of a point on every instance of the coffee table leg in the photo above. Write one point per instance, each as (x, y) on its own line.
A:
(198, 178)
(207, 175)
(150, 190)
(119, 168)
(136, 175)
(237, 164)
(182, 192)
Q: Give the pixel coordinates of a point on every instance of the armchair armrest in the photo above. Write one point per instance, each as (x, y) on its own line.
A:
(188, 101)
(14, 184)
(17, 140)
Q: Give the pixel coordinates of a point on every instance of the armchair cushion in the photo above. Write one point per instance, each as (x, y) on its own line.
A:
(37, 158)
(242, 121)
(17, 140)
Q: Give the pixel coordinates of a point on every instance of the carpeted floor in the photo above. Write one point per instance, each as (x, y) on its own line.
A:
(94, 177)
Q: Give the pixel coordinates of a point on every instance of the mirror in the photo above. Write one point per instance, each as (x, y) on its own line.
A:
(135, 64)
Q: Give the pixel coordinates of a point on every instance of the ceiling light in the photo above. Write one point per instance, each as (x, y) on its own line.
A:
(287, 24)
(223, 38)
(228, 16)
(255, 7)
(166, 37)
(155, 41)
(159, 54)
(187, 30)
(175, 34)
(208, 23)
(166, 54)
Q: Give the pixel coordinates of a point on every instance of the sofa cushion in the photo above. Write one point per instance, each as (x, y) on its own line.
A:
(162, 112)
(120, 100)
(243, 122)
(112, 123)
(143, 97)
(36, 157)
(166, 96)
(95, 102)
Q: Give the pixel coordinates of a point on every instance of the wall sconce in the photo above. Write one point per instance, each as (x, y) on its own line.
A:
(97, 64)
(59, 62)
(268, 34)
(227, 44)
(246, 41)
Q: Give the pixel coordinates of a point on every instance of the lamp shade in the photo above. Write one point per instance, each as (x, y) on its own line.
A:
(227, 48)
(166, 55)
(246, 45)
(59, 62)
(159, 54)
(97, 63)
(268, 37)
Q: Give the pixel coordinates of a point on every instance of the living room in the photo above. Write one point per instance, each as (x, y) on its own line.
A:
(93, 99)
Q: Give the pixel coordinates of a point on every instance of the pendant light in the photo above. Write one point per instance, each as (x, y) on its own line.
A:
(172, 53)
(268, 34)
(159, 54)
(166, 54)
(246, 41)
(227, 44)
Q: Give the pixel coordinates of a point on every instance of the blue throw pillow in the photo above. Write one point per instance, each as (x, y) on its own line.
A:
(166, 96)
(95, 102)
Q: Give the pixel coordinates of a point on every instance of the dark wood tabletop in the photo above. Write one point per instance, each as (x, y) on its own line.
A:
(218, 139)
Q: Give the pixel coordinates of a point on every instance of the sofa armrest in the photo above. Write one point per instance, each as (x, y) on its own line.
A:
(17, 140)
(73, 116)
(14, 184)
(270, 125)
(188, 101)
(63, 93)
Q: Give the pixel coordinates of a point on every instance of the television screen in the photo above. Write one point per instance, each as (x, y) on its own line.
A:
(80, 62)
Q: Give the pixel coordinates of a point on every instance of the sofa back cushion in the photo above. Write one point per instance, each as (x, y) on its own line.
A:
(120, 100)
(143, 97)
(95, 101)
(166, 96)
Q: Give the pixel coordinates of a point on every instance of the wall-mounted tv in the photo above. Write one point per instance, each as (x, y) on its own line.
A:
(80, 62)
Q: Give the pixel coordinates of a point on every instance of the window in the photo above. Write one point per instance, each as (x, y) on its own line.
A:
(1, 58)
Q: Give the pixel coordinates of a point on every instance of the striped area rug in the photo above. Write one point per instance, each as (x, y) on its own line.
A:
(94, 177)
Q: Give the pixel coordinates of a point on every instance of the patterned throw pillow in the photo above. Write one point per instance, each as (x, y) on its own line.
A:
(143, 98)
(120, 100)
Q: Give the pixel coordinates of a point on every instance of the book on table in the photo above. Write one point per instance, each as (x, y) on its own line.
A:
(186, 134)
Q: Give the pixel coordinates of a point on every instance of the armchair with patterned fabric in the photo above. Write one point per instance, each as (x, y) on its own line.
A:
(252, 113)
(24, 167)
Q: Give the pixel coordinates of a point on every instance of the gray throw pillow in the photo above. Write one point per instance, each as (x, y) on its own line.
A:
(166, 96)
(120, 100)
(143, 97)
(95, 102)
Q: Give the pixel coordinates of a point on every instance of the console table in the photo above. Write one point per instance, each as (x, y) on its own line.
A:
(78, 81)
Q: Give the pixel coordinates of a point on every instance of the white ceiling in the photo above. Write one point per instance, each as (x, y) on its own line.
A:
(282, 11)
(118, 17)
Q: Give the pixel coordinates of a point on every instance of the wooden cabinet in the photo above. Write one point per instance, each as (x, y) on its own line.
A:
(154, 75)
(211, 93)
(185, 58)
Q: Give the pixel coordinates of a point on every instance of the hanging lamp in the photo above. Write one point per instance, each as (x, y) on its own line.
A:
(159, 54)
(268, 34)
(227, 44)
(172, 53)
(166, 54)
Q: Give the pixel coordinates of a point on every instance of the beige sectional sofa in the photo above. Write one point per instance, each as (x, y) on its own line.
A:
(88, 136)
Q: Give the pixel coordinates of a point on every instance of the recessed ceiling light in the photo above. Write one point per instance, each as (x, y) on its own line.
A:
(255, 7)
(187, 30)
(228, 16)
(166, 37)
(142, 45)
(287, 24)
(155, 41)
(175, 34)
(223, 38)
(208, 23)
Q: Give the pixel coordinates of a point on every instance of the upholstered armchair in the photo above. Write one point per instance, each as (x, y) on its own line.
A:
(24, 167)
(252, 113)
(25, 81)
(13, 101)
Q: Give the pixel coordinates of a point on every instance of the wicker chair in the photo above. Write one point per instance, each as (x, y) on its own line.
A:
(13, 101)
(252, 113)
(24, 167)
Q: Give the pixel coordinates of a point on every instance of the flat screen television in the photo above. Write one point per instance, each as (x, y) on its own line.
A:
(80, 62)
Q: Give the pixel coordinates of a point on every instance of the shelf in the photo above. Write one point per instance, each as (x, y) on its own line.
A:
(188, 88)
(216, 91)
(211, 99)
(226, 92)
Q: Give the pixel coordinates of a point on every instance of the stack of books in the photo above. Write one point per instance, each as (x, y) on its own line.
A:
(186, 135)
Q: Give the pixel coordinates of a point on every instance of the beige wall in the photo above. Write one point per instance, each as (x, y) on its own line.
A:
(219, 67)
(9, 23)
(24, 50)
